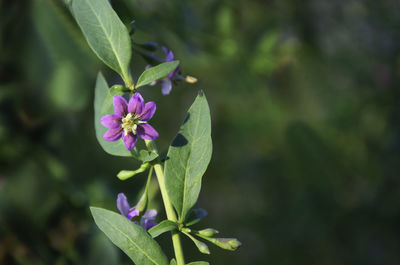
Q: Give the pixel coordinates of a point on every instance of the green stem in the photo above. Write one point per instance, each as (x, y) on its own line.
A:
(176, 241)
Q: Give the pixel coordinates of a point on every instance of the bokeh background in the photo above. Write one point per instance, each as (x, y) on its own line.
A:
(304, 98)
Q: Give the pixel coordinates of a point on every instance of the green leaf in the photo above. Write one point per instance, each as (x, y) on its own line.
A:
(147, 156)
(129, 237)
(199, 263)
(155, 73)
(188, 157)
(105, 33)
(103, 105)
(126, 174)
(162, 227)
(195, 215)
(173, 262)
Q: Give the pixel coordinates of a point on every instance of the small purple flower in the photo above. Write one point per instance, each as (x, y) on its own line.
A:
(130, 121)
(166, 83)
(147, 220)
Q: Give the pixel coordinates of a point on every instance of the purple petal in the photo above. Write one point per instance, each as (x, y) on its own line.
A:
(147, 224)
(148, 111)
(171, 75)
(130, 141)
(111, 121)
(113, 134)
(150, 214)
(148, 218)
(122, 204)
(146, 132)
(132, 213)
(166, 86)
(136, 104)
(120, 105)
(169, 55)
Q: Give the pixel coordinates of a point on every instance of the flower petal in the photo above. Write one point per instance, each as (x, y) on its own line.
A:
(147, 132)
(148, 218)
(113, 134)
(130, 141)
(148, 111)
(150, 214)
(147, 224)
(132, 213)
(122, 204)
(136, 104)
(171, 75)
(166, 86)
(120, 105)
(169, 55)
(111, 121)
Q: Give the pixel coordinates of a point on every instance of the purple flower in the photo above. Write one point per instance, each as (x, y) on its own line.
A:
(147, 220)
(130, 121)
(166, 83)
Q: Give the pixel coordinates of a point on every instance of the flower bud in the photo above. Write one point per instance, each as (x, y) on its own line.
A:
(202, 247)
(142, 204)
(226, 243)
(208, 232)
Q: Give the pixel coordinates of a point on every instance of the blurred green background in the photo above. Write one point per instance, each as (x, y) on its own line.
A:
(304, 97)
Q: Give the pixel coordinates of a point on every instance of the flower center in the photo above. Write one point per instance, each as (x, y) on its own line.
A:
(129, 123)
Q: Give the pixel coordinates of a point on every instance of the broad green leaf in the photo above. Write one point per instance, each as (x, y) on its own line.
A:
(129, 237)
(199, 263)
(188, 157)
(195, 215)
(105, 33)
(155, 73)
(103, 105)
(161, 228)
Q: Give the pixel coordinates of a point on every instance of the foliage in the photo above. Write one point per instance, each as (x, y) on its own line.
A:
(303, 98)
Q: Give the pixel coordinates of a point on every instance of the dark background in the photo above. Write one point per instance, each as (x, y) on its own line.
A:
(304, 98)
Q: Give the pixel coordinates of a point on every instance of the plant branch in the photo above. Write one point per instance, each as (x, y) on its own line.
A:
(176, 241)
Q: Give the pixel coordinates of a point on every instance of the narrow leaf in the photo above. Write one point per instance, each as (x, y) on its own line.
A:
(172, 262)
(105, 33)
(155, 73)
(129, 237)
(188, 157)
(162, 227)
(103, 105)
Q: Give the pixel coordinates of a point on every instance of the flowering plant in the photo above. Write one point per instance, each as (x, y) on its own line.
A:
(121, 112)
